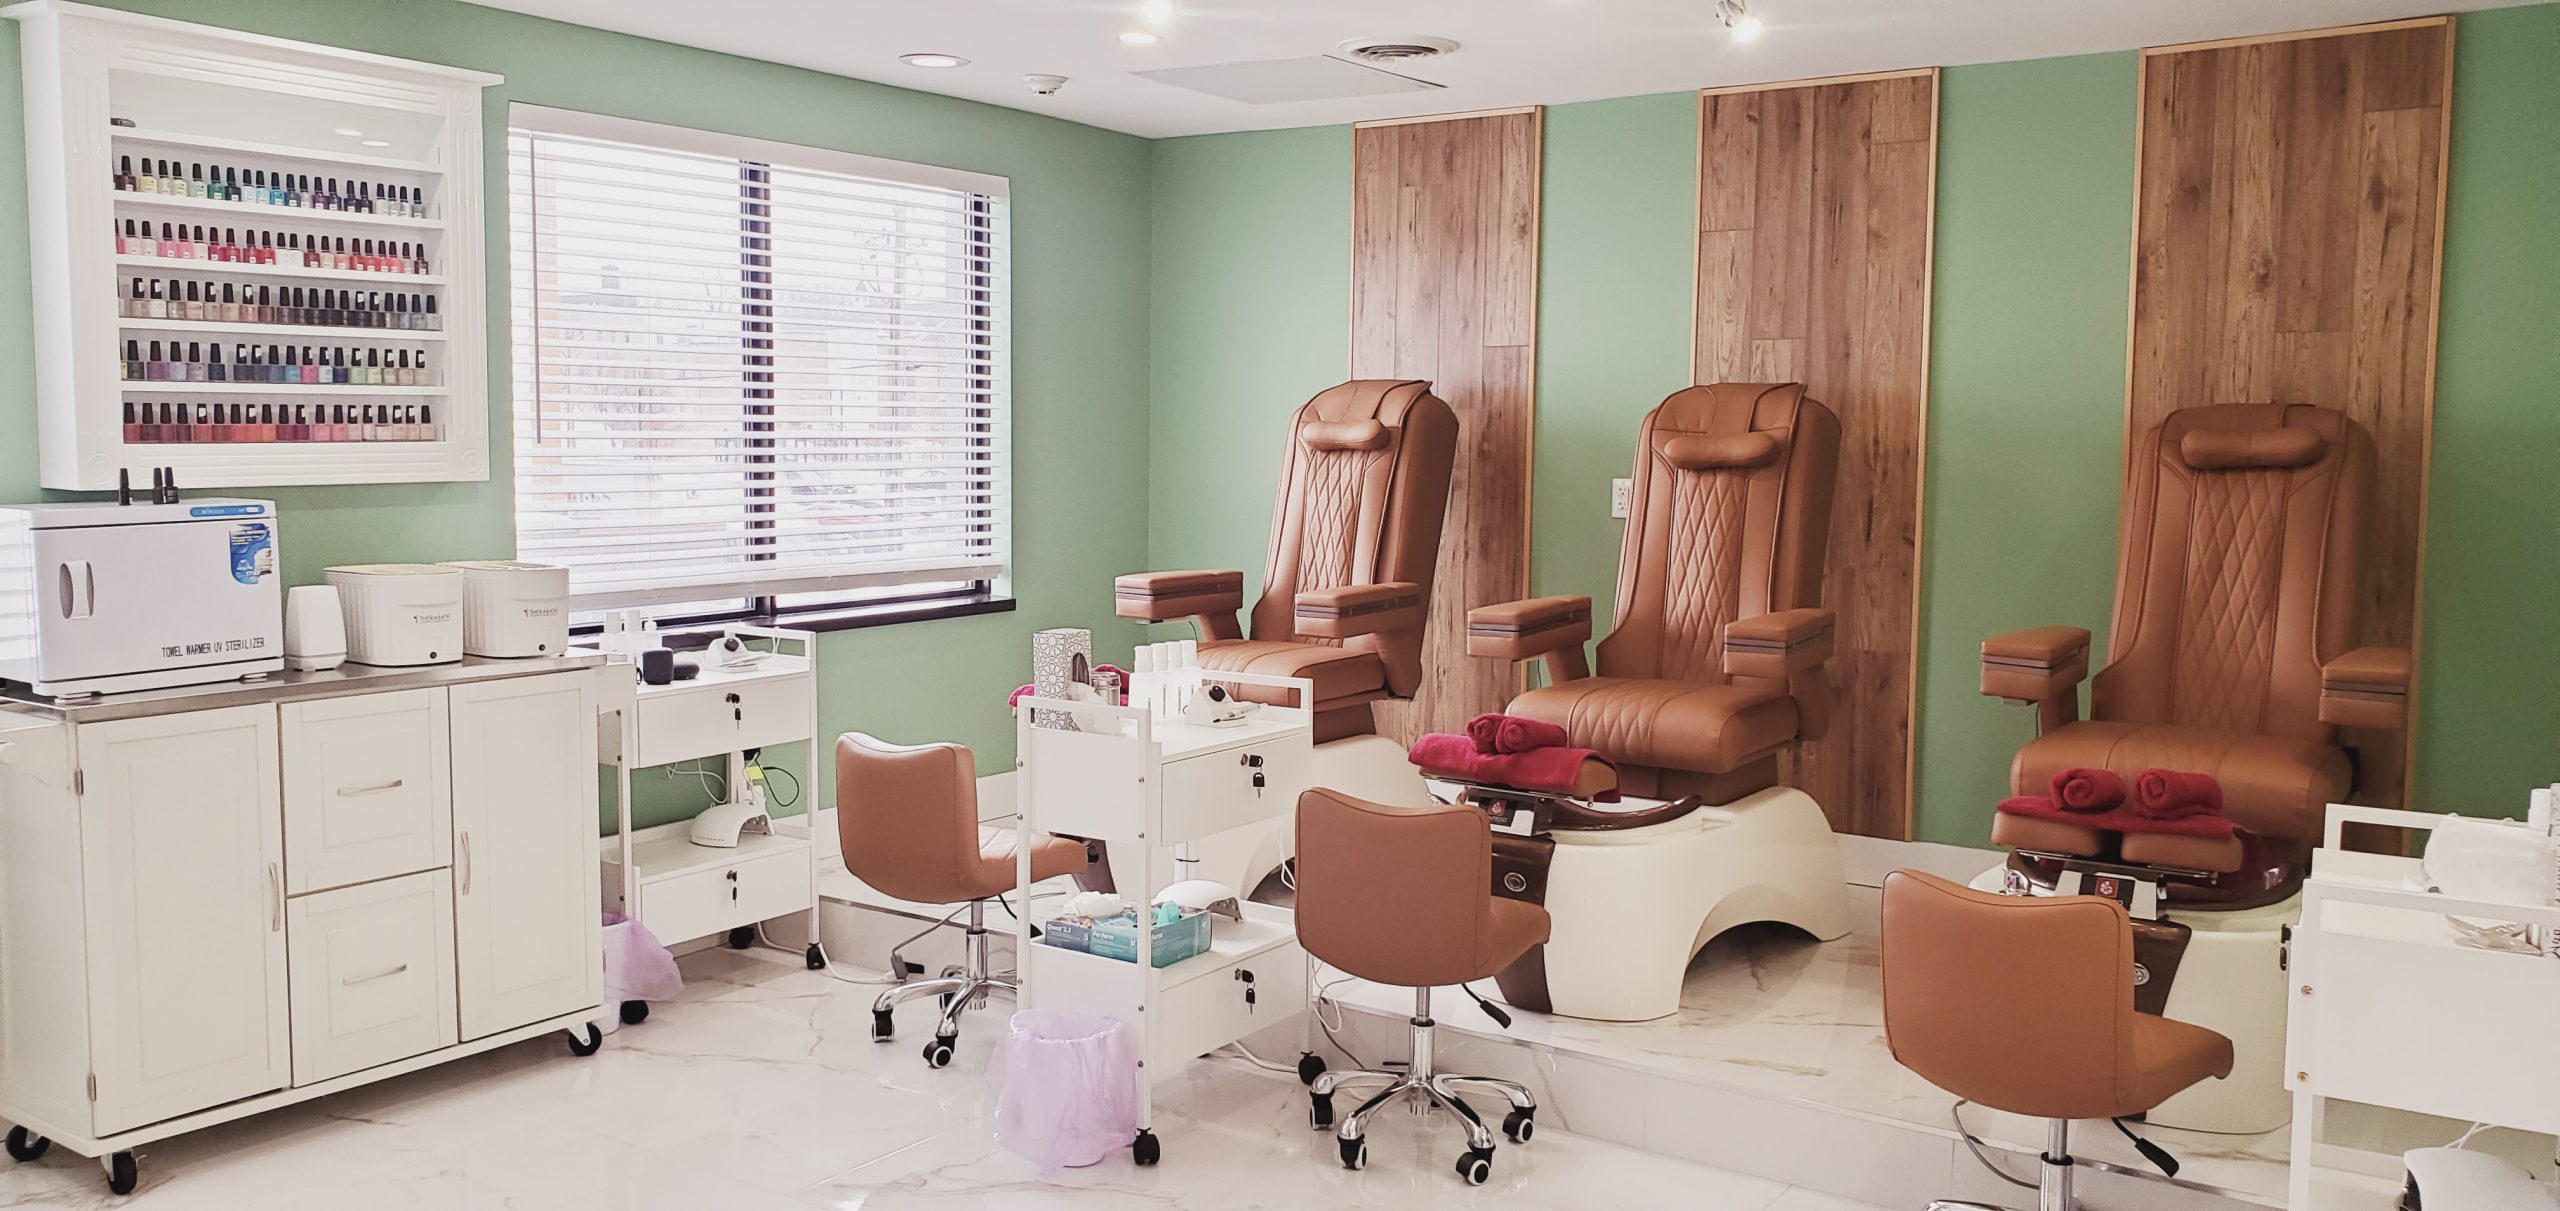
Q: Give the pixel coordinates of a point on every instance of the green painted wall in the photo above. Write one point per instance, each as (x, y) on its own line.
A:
(2026, 412)
(2026, 399)
(1251, 290)
(1080, 323)
(2489, 711)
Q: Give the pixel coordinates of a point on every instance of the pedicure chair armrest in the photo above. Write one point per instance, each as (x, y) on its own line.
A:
(2040, 665)
(1213, 597)
(1552, 628)
(1781, 644)
(1361, 609)
(2368, 687)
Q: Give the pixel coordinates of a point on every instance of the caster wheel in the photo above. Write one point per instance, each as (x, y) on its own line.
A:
(816, 957)
(589, 1043)
(634, 1012)
(883, 1026)
(1476, 1166)
(1320, 1111)
(122, 1177)
(1145, 1149)
(1310, 1066)
(742, 937)
(937, 1054)
(1520, 1125)
(25, 1145)
(1355, 1153)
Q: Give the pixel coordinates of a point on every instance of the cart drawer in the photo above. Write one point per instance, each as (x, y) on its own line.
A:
(1215, 791)
(708, 901)
(365, 788)
(1211, 1009)
(705, 719)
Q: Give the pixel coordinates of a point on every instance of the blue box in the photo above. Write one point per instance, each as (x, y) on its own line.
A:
(1117, 937)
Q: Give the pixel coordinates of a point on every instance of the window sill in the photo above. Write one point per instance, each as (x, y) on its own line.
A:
(850, 618)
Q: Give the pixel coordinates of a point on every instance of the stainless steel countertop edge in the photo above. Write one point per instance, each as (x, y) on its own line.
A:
(349, 678)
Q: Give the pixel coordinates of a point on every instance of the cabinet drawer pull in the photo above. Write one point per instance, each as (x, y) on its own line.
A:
(384, 974)
(275, 898)
(466, 864)
(376, 789)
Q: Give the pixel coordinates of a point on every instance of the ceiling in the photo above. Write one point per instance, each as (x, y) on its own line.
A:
(1511, 52)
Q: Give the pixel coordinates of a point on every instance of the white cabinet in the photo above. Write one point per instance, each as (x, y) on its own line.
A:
(183, 855)
(365, 793)
(526, 921)
(372, 974)
(219, 900)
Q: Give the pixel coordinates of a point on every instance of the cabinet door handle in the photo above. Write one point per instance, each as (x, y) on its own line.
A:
(375, 789)
(384, 974)
(466, 864)
(275, 898)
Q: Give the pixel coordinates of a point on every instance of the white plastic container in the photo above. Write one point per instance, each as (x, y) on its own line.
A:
(401, 614)
(514, 609)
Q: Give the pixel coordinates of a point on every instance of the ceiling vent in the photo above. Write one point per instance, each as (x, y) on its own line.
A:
(1397, 51)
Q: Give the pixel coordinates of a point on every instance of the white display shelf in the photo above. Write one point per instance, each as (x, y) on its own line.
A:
(255, 212)
(322, 161)
(143, 387)
(196, 93)
(411, 281)
(298, 333)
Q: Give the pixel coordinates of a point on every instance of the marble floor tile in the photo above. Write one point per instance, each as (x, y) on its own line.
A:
(759, 1089)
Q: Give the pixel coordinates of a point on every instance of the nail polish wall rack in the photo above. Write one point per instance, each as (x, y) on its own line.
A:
(228, 422)
(293, 123)
(254, 212)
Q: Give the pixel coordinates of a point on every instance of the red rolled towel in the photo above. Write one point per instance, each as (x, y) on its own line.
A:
(1552, 770)
(2033, 807)
(2085, 789)
(1482, 729)
(2168, 794)
(1518, 735)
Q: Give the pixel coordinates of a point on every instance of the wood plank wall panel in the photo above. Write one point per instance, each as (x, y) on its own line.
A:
(1814, 213)
(1444, 286)
(2287, 224)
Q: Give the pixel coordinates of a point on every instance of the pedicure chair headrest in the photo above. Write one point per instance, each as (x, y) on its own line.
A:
(1343, 434)
(2241, 449)
(1704, 452)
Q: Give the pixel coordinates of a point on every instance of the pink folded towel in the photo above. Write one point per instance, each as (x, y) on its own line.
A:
(1496, 733)
(1552, 770)
(2084, 789)
(2167, 794)
(1483, 729)
(2211, 827)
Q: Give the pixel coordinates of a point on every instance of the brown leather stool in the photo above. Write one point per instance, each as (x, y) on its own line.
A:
(907, 817)
(2025, 1004)
(1404, 896)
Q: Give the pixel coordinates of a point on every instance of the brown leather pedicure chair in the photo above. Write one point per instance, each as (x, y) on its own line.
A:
(1713, 669)
(2231, 653)
(1346, 590)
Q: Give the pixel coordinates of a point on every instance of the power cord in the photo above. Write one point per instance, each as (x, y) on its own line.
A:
(2154, 1153)
(1973, 1144)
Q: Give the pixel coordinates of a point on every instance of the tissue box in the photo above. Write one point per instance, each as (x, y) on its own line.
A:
(1117, 937)
(1055, 657)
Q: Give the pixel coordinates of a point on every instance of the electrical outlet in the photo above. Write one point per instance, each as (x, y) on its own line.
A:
(1622, 493)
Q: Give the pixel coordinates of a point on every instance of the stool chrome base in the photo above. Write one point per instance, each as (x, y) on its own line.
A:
(1432, 1089)
(2053, 1189)
(965, 987)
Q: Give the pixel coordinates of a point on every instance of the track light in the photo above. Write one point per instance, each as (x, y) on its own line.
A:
(1738, 19)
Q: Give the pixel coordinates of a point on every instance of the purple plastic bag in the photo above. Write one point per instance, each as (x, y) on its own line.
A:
(636, 966)
(1067, 1087)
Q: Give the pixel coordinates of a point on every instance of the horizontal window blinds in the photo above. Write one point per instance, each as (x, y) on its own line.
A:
(737, 378)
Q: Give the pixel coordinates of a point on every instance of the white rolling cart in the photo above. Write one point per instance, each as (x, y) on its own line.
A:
(658, 876)
(1159, 784)
(2390, 1010)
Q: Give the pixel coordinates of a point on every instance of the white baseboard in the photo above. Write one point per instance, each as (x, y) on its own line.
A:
(1869, 859)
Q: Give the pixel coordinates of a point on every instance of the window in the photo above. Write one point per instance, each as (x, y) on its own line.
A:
(754, 379)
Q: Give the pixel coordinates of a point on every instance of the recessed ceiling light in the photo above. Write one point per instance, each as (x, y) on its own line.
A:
(1737, 19)
(1138, 37)
(349, 132)
(933, 59)
(1156, 12)
(377, 142)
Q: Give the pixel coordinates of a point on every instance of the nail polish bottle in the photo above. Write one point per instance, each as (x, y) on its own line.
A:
(311, 367)
(167, 181)
(155, 370)
(134, 369)
(153, 307)
(132, 423)
(146, 182)
(151, 414)
(195, 180)
(200, 429)
(228, 310)
(193, 307)
(435, 322)
(199, 248)
(124, 180)
(195, 362)
(265, 310)
(214, 370)
(428, 429)
(425, 379)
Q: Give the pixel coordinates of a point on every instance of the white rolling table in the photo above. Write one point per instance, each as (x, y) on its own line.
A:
(1161, 784)
(2388, 1010)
